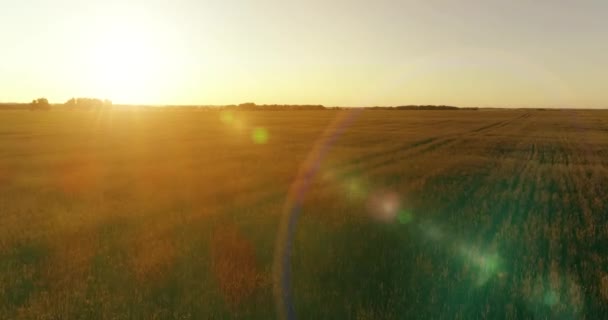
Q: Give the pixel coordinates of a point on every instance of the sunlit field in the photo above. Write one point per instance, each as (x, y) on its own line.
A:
(169, 214)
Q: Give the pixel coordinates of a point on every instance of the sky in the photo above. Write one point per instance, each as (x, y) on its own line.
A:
(481, 53)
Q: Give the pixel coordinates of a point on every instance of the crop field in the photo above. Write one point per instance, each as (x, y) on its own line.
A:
(335, 214)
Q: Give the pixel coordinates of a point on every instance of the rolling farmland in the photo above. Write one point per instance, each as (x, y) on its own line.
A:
(407, 214)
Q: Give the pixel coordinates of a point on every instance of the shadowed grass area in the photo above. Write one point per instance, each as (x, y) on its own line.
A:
(413, 214)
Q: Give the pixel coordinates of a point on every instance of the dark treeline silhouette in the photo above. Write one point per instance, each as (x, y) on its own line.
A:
(427, 107)
(87, 103)
(421, 107)
(250, 106)
(94, 104)
(40, 104)
(43, 104)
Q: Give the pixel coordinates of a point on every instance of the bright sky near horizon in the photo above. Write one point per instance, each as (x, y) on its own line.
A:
(386, 52)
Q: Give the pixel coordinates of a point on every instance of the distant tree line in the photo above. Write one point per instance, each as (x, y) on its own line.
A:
(426, 107)
(74, 103)
(422, 107)
(93, 103)
(40, 104)
(250, 106)
(417, 107)
(87, 103)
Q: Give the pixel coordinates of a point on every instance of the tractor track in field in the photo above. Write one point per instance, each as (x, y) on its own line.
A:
(508, 212)
(421, 147)
(500, 124)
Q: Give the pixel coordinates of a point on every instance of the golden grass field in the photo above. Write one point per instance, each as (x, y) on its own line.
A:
(159, 214)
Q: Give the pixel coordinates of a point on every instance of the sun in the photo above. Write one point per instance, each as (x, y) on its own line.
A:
(128, 65)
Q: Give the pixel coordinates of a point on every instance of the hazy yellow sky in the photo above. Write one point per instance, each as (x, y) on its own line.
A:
(385, 52)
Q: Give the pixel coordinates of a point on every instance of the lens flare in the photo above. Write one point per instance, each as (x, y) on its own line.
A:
(486, 265)
(231, 119)
(282, 282)
(431, 231)
(556, 296)
(405, 216)
(355, 188)
(227, 117)
(260, 135)
(384, 206)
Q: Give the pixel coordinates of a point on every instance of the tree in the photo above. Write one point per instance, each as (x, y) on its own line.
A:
(40, 104)
(70, 103)
(87, 103)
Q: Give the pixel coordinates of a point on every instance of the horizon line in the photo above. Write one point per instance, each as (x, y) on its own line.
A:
(2, 103)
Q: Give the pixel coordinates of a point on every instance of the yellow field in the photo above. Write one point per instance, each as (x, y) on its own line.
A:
(146, 214)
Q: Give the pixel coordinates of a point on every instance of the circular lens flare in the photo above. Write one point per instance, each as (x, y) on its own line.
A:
(405, 216)
(384, 206)
(227, 117)
(260, 135)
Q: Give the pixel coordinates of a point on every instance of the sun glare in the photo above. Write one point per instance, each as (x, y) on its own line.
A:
(128, 66)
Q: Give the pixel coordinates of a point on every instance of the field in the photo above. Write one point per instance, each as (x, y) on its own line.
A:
(400, 214)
